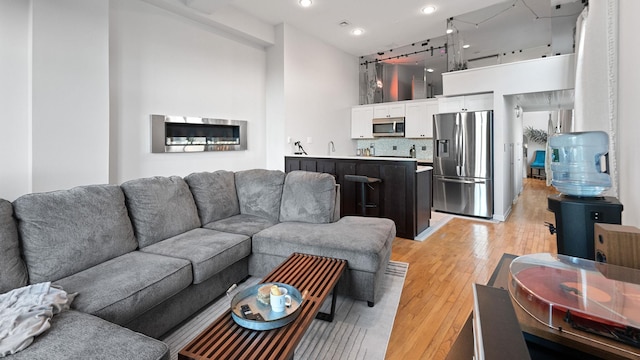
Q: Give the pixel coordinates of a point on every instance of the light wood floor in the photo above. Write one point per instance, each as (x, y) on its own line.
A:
(437, 296)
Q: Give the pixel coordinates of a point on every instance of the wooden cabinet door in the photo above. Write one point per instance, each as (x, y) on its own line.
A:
(326, 166)
(450, 104)
(291, 164)
(432, 109)
(361, 122)
(478, 102)
(308, 165)
(394, 196)
(388, 111)
(465, 103)
(419, 119)
(415, 122)
(347, 188)
(397, 110)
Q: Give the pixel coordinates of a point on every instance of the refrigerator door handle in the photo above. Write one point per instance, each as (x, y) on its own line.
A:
(458, 141)
(460, 181)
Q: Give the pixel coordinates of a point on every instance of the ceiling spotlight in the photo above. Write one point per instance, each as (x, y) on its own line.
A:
(466, 46)
(430, 9)
(449, 25)
(305, 3)
(357, 32)
(430, 70)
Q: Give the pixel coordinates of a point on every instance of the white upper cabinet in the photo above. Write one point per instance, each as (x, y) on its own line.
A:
(465, 103)
(388, 111)
(418, 122)
(361, 122)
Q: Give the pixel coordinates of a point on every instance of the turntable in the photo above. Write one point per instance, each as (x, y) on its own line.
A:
(568, 293)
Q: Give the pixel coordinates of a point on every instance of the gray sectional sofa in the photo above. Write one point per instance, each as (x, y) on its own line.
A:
(146, 255)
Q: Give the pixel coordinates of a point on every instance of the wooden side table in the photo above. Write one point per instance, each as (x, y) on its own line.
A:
(224, 339)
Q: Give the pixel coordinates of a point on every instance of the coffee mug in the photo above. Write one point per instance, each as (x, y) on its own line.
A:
(279, 302)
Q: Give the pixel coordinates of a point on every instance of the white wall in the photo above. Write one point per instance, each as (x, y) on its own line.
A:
(547, 74)
(320, 85)
(15, 119)
(70, 93)
(55, 84)
(275, 117)
(628, 124)
(162, 63)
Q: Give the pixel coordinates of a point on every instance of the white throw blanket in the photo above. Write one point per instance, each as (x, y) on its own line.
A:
(25, 313)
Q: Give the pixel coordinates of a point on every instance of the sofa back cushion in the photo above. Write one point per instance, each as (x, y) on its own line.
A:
(308, 197)
(12, 269)
(215, 194)
(160, 207)
(67, 231)
(259, 192)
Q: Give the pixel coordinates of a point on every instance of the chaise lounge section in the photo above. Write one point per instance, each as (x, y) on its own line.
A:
(146, 255)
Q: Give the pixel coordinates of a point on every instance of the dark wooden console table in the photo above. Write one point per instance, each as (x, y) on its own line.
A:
(224, 339)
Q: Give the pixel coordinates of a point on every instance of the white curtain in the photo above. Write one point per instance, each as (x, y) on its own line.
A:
(596, 76)
(551, 129)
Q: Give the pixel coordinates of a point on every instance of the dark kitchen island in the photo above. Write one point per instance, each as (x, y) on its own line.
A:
(404, 195)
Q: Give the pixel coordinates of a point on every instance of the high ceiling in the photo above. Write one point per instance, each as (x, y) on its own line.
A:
(487, 25)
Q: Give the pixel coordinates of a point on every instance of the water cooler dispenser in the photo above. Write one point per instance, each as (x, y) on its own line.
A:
(577, 166)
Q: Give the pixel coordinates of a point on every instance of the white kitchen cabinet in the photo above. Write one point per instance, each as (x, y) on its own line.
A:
(465, 103)
(361, 122)
(418, 122)
(388, 111)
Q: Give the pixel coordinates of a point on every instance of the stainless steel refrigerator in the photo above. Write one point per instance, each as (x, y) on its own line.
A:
(463, 163)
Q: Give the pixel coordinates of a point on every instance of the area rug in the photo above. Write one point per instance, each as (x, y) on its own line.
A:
(438, 219)
(357, 331)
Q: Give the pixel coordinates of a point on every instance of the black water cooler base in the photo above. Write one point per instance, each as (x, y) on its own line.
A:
(575, 217)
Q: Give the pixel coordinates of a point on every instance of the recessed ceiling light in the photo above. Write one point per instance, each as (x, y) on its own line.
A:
(357, 31)
(305, 3)
(430, 9)
(466, 46)
(429, 70)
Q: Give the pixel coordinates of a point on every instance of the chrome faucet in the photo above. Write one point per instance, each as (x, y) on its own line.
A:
(332, 147)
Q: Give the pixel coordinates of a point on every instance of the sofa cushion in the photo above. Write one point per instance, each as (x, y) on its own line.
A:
(241, 224)
(209, 251)
(215, 194)
(12, 268)
(122, 288)
(308, 197)
(160, 207)
(362, 241)
(76, 335)
(67, 231)
(259, 192)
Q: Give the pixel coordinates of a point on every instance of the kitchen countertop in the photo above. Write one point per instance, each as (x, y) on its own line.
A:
(419, 168)
(354, 157)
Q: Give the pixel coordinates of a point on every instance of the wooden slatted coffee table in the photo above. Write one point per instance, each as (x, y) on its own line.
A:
(224, 339)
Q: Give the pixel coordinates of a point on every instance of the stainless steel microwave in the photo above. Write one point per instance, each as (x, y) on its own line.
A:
(388, 127)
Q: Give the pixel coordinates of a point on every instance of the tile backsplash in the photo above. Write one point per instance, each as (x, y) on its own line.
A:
(385, 147)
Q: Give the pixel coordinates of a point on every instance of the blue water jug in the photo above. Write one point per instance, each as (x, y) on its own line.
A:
(580, 163)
